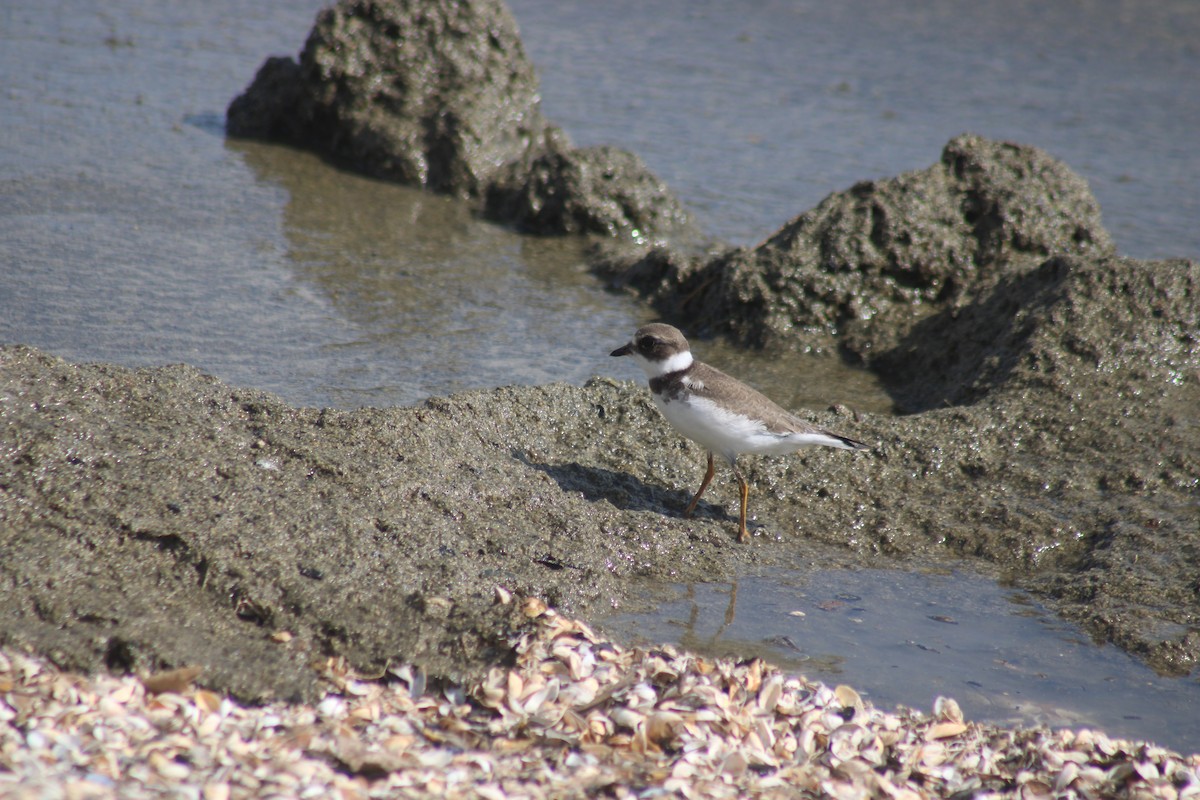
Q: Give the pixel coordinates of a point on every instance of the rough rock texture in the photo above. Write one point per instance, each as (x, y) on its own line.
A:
(592, 190)
(1055, 386)
(430, 94)
(925, 239)
(1070, 328)
(158, 517)
(1065, 406)
(154, 518)
(441, 95)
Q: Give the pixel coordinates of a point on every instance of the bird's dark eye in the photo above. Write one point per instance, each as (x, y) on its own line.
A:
(645, 344)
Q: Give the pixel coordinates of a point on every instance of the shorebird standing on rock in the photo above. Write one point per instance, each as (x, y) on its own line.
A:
(719, 412)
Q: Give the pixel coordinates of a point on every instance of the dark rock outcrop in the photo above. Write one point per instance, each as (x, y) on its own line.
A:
(898, 247)
(1069, 326)
(440, 95)
(592, 190)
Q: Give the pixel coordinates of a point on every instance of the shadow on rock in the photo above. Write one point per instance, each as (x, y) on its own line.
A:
(1076, 330)
(623, 490)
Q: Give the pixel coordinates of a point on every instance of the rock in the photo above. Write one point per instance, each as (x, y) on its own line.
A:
(157, 518)
(594, 190)
(1051, 384)
(1070, 328)
(921, 241)
(440, 95)
(272, 107)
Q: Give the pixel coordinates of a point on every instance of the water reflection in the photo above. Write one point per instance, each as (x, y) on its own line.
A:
(433, 299)
(427, 299)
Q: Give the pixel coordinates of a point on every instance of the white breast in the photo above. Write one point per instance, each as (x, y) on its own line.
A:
(727, 433)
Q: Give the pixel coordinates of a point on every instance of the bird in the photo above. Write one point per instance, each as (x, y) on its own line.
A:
(719, 412)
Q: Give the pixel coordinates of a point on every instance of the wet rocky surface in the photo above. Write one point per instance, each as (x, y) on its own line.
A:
(434, 95)
(866, 261)
(159, 517)
(1051, 381)
(1049, 390)
(602, 191)
(442, 96)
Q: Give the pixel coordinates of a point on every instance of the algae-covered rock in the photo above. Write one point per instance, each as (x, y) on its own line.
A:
(593, 190)
(922, 240)
(431, 94)
(441, 95)
(1075, 328)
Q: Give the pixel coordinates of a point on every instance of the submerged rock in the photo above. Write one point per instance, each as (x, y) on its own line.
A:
(441, 95)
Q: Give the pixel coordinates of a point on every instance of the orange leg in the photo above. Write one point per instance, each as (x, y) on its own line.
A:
(708, 476)
(744, 492)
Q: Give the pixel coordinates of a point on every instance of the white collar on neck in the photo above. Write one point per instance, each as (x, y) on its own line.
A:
(655, 369)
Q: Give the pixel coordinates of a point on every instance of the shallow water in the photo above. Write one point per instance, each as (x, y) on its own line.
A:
(131, 231)
(754, 113)
(904, 638)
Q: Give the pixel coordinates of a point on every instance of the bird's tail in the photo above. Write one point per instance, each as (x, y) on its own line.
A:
(834, 440)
